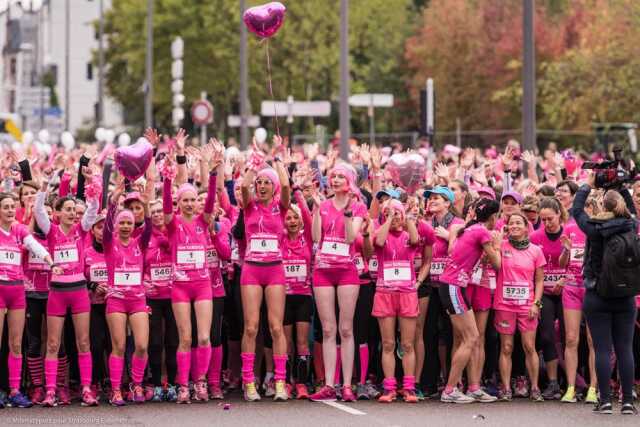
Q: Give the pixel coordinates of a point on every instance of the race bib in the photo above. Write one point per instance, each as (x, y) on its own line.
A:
(359, 262)
(186, 256)
(552, 278)
(335, 248)
(161, 274)
(10, 257)
(34, 259)
(373, 264)
(295, 271)
(212, 257)
(235, 254)
(437, 268)
(264, 244)
(65, 255)
(127, 278)
(577, 255)
(516, 291)
(98, 274)
(397, 274)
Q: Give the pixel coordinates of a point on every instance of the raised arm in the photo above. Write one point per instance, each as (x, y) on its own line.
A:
(307, 220)
(39, 211)
(383, 232)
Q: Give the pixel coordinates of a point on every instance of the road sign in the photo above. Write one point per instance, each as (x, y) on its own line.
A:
(371, 100)
(234, 121)
(297, 109)
(202, 112)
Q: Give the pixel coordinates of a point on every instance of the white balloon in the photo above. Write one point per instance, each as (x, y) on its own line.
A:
(67, 139)
(232, 153)
(100, 136)
(28, 137)
(43, 136)
(17, 147)
(46, 149)
(142, 140)
(261, 135)
(124, 139)
(109, 135)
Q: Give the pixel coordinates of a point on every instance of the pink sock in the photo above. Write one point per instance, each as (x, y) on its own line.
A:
(389, 384)
(15, 371)
(203, 357)
(85, 365)
(448, 389)
(364, 362)
(215, 366)
(409, 382)
(36, 370)
(336, 375)
(116, 366)
(63, 371)
(193, 366)
(247, 367)
(50, 373)
(183, 359)
(137, 368)
(472, 387)
(280, 367)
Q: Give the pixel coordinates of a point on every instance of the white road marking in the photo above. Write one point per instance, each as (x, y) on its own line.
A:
(344, 408)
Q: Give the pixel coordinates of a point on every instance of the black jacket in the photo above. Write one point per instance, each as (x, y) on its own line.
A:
(598, 230)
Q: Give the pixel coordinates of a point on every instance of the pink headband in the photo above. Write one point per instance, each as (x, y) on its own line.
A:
(272, 176)
(350, 174)
(124, 214)
(185, 188)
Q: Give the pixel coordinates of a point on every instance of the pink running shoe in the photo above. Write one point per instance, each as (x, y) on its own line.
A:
(347, 394)
(116, 398)
(215, 392)
(88, 398)
(183, 395)
(201, 394)
(49, 400)
(325, 394)
(137, 393)
(64, 397)
(37, 395)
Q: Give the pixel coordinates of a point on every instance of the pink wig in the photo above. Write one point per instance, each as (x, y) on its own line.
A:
(272, 176)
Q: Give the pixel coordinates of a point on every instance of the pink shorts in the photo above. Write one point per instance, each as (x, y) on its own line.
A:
(336, 277)
(126, 305)
(262, 275)
(572, 297)
(191, 291)
(59, 301)
(12, 297)
(506, 321)
(479, 297)
(395, 304)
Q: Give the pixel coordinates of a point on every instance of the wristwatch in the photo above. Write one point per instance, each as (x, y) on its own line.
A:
(538, 303)
(348, 214)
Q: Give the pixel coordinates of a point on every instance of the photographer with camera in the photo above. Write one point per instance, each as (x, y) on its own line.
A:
(612, 278)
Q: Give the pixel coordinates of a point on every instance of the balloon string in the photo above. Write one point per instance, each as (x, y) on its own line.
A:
(270, 86)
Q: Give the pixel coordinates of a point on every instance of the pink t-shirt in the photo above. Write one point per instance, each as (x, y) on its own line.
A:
(515, 288)
(95, 271)
(67, 251)
(466, 253)
(188, 249)
(11, 252)
(440, 255)
(158, 266)
(395, 263)
(37, 273)
(297, 265)
(334, 251)
(264, 231)
(427, 238)
(552, 251)
(578, 241)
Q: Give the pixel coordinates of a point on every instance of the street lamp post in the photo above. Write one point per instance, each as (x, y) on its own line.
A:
(244, 81)
(148, 100)
(528, 77)
(344, 79)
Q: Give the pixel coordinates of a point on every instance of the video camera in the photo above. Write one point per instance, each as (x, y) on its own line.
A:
(611, 173)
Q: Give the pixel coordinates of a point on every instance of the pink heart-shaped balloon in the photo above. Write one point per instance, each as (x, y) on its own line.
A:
(407, 170)
(265, 20)
(132, 161)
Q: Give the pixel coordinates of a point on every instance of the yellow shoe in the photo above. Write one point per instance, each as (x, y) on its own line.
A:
(250, 392)
(281, 391)
(570, 395)
(592, 396)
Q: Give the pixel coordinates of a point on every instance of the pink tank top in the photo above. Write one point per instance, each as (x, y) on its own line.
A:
(264, 231)
(395, 264)
(95, 271)
(552, 251)
(11, 253)
(297, 265)
(67, 251)
(158, 267)
(37, 273)
(334, 251)
(189, 249)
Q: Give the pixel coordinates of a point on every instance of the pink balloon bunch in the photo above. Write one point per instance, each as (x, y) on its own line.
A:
(265, 20)
(407, 170)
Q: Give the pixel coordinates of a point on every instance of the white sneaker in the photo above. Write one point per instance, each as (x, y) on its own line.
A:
(481, 396)
(456, 396)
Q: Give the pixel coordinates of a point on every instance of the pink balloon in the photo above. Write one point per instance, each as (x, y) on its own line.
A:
(407, 170)
(265, 20)
(132, 161)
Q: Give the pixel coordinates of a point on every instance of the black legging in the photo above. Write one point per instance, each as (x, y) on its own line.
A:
(551, 310)
(437, 329)
(162, 338)
(612, 321)
(100, 342)
(636, 346)
(36, 315)
(365, 327)
(216, 324)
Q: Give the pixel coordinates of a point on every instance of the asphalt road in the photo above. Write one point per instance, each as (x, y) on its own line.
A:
(520, 413)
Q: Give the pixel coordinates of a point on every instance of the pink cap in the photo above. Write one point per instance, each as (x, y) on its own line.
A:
(124, 214)
(185, 188)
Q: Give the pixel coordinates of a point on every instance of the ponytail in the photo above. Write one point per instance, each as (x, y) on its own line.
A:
(613, 202)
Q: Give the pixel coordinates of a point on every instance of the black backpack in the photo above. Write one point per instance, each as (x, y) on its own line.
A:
(620, 273)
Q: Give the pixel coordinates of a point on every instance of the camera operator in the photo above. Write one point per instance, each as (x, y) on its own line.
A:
(611, 320)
